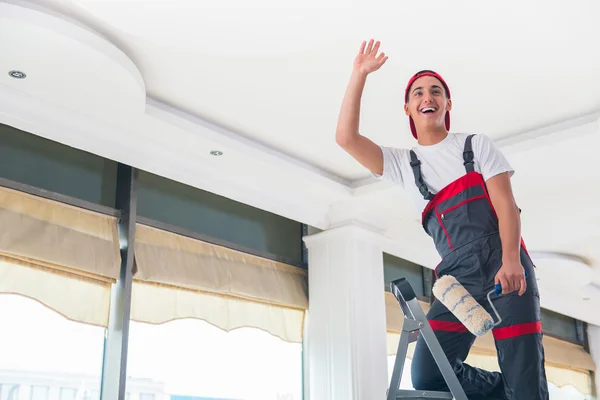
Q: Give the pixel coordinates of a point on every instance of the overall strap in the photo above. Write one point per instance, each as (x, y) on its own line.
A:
(415, 163)
(468, 155)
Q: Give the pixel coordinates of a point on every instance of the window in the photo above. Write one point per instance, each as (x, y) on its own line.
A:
(395, 268)
(39, 393)
(206, 213)
(68, 394)
(192, 358)
(561, 326)
(43, 163)
(9, 392)
(406, 380)
(91, 395)
(565, 393)
(39, 346)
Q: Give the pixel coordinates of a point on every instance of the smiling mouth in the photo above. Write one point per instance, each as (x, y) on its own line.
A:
(428, 110)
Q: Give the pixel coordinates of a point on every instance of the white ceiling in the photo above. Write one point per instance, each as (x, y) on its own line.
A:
(159, 84)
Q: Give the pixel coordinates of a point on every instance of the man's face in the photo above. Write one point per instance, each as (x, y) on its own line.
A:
(427, 102)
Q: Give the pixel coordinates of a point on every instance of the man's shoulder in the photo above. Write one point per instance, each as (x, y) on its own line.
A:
(484, 143)
(398, 152)
(396, 156)
(462, 136)
(478, 140)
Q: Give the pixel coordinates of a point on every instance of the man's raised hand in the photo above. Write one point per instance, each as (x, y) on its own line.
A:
(368, 60)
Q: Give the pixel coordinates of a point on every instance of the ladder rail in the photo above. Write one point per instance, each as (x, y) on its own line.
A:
(399, 364)
(438, 353)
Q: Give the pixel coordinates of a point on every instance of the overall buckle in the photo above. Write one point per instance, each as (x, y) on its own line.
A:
(468, 156)
(415, 163)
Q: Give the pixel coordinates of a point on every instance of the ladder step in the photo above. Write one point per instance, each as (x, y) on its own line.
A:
(422, 395)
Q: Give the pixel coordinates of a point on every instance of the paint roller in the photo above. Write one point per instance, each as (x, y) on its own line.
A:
(468, 311)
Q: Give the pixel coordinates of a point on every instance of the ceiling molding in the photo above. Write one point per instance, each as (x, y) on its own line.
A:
(551, 134)
(120, 144)
(238, 142)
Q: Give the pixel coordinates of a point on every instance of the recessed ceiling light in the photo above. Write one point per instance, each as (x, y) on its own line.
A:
(216, 153)
(17, 74)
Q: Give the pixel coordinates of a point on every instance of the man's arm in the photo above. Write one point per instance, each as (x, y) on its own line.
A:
(347, 133)
(511, 275)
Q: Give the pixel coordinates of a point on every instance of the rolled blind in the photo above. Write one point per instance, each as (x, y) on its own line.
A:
(62, 256)
(182, 277)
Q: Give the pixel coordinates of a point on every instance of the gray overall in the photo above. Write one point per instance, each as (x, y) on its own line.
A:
(464, 227)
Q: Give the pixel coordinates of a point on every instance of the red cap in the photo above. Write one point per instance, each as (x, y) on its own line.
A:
(416, 76)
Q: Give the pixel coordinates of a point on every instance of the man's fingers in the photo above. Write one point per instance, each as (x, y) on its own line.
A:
(376, 48)
(362, 47)
(505, 284)
(523, 286)
(369, 47)
(511, 280)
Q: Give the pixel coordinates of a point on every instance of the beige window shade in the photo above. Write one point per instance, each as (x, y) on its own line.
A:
(58, 236)
(76, 297)
(566, 363)
(62, 256)
(157, 304)
(189, 278)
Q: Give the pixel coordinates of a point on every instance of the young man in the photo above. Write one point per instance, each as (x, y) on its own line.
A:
(461, 184)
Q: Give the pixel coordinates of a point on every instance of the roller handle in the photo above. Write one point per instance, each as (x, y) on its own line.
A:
(498, 287)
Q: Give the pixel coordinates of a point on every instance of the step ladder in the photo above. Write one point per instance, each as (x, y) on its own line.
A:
(416, 323)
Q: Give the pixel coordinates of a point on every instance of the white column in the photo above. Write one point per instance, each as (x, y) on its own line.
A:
(594, 342)
(346, 341)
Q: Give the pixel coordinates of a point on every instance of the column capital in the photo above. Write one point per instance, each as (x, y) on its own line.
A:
(351, 229)
(362, 212)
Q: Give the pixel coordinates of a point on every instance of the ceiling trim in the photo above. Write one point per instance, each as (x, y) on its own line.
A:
(551, 134)
(232, 140)
(121, 144)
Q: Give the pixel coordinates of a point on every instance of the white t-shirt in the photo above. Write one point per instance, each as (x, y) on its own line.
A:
(442, 163)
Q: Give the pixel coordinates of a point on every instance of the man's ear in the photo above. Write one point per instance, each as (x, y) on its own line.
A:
(449, 105)
(406, 110)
